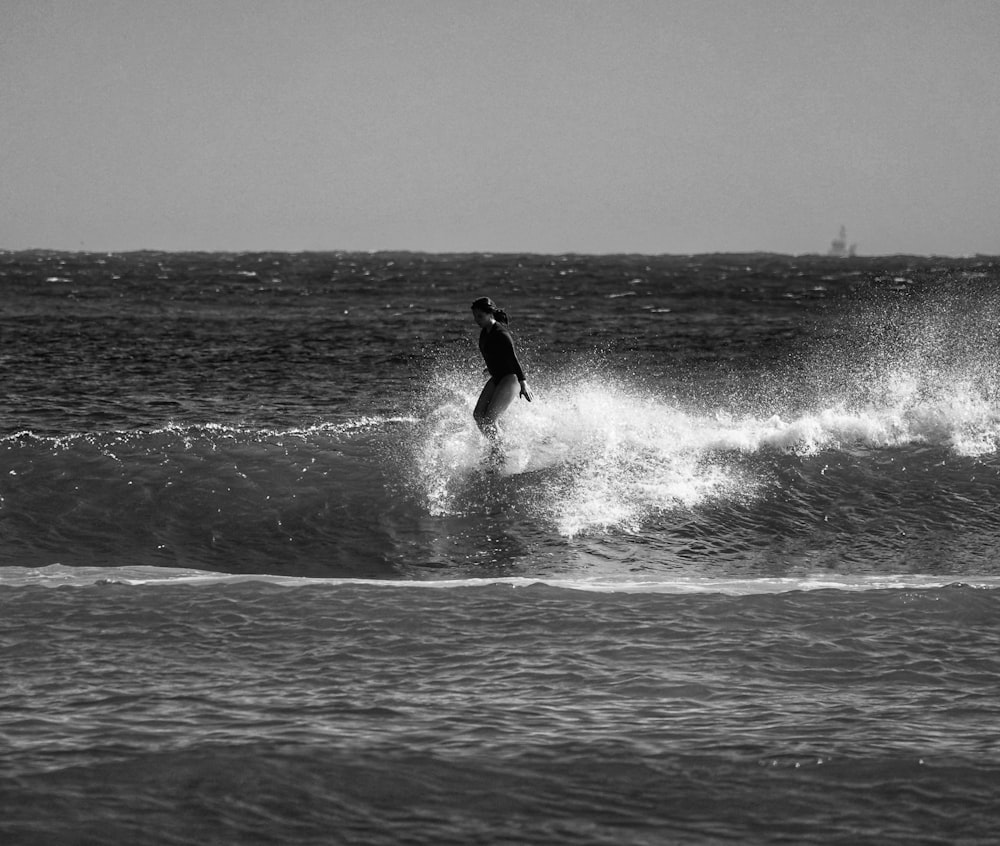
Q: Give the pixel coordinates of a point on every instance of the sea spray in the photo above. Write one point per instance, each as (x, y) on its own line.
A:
(920, 360)
(599, 455)
(604, 457)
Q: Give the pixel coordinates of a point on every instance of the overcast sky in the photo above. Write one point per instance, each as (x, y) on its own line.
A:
(547, 126)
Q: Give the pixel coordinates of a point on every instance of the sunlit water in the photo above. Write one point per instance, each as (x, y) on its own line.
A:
(733, 580)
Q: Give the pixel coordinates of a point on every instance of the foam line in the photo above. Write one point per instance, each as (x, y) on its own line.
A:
(58, 576)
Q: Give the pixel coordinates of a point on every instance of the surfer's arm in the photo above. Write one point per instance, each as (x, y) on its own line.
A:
(506, 348)
(514, 366)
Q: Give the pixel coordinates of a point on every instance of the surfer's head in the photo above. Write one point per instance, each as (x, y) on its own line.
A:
(484, 310)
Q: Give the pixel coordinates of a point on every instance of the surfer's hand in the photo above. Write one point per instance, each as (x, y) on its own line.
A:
(525, 392)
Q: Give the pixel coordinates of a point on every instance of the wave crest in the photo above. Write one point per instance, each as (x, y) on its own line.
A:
(596, 454)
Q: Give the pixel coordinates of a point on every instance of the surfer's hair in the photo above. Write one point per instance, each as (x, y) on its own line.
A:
(490, 307)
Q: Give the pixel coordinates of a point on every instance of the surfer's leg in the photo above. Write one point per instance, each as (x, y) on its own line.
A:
(503, 395)
(493, 401)
(480, 413)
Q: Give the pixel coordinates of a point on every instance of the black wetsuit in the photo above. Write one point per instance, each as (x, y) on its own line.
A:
(497, 347)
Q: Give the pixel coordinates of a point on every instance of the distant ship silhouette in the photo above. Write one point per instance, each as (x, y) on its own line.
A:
(838, 246)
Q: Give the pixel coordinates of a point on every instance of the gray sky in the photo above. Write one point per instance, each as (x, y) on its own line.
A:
(545, 126)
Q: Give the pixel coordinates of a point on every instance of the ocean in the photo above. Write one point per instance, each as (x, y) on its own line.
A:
(735, 579)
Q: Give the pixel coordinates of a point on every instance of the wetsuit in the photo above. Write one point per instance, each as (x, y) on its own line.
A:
(497, 347)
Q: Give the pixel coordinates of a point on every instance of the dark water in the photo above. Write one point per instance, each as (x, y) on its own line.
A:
(735, 580)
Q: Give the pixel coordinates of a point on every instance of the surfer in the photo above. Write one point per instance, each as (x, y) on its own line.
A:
(497, 347)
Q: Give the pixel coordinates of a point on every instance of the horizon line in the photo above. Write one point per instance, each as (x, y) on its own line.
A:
(415, 252)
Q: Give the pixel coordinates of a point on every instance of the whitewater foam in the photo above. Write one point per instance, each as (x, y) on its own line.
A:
(58, 575)
(614, 456)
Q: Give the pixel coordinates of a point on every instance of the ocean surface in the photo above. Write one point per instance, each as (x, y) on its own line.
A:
(735, 580)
